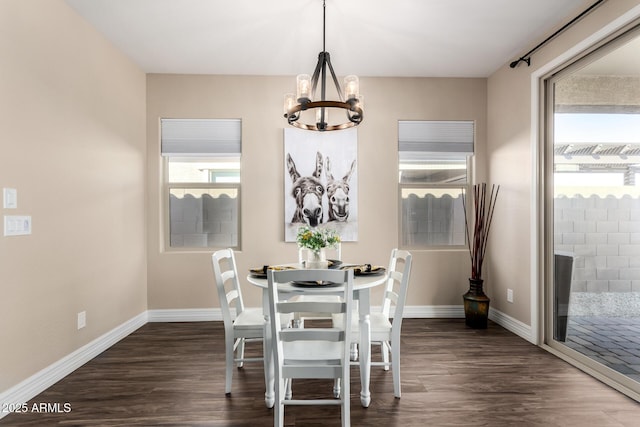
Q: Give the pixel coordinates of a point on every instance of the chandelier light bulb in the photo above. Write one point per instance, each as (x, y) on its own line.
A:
(289, 103)
(303, 82)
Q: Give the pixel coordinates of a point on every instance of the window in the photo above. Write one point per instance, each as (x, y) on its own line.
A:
(433, 177)
(201, 159)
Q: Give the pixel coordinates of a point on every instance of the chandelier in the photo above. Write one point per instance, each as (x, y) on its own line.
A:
(349, 101)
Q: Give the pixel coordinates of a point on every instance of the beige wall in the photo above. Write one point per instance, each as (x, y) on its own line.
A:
(72, 114)
(184, 280)
(510, 160)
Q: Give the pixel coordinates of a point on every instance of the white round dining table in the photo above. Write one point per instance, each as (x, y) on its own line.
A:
(362, 285)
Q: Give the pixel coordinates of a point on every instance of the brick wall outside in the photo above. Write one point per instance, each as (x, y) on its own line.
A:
(433, 221)
(204, 221)
(603, 232)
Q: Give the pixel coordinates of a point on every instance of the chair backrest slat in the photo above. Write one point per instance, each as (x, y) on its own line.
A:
(226, 278)
(392, 296)
(395, 293)
(312, 334)
(307, 306)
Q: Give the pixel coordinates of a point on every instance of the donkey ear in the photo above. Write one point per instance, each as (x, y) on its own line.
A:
(318, 172)
(327, 170)
(291, 166)
(347, 177)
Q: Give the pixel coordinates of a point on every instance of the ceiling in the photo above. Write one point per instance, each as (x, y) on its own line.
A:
(400, 38)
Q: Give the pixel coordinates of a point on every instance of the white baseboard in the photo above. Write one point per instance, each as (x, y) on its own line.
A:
(42, 380)
(433, 312)
(457, 311)
(210, 314)
(53, 373)
(185, 315)
(524, 331)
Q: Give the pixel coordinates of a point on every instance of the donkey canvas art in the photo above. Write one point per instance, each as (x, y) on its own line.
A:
(321, 182)
(308, 192)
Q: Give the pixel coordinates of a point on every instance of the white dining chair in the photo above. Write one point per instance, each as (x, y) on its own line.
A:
(248, 323)
(311, 352)
(384, 331)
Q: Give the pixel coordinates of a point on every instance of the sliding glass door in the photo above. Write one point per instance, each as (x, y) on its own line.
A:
(592, 197)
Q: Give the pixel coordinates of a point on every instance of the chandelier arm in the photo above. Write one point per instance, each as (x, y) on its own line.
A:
(357, 115)
(320, 120)
(316, 74)
(323, 83)
(292, 117)
(335, 79)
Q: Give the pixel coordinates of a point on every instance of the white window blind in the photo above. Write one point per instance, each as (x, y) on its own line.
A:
(428, 139)
(201, 137)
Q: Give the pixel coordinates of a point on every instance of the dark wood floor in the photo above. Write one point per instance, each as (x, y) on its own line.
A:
(173, 374)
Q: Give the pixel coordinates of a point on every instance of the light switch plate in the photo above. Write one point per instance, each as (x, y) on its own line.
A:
(17, 225)
(82, 319)
(10, 198)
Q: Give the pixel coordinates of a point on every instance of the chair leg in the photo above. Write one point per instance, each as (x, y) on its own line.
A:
(289, 388)
(278, 408)
(384, 347)
(241, 353)
(336, 388)
(346, 406)
(354, 351)
(229, 364)
(395, 369)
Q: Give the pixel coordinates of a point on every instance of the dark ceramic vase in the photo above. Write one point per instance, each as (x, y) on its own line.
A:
(476, 305)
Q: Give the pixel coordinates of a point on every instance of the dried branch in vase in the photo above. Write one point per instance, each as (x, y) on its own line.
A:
(478, 230)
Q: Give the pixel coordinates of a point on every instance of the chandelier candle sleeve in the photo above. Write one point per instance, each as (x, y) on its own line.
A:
(289, 102)
(304, 87)
(322, 115)
(351, 87)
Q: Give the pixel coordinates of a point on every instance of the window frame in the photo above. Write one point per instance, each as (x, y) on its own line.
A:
(463, 187)
(167, 187)
(544, 264)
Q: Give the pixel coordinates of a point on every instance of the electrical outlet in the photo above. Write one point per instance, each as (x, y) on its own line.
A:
(509, 295)
(17, 225)
(82, 319)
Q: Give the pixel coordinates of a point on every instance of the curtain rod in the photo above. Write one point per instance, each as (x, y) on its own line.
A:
(527, 56)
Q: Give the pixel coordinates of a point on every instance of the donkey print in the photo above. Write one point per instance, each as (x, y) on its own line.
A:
(308, 192)
(338, 194)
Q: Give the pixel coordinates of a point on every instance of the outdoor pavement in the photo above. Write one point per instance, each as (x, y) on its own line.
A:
(612, 341)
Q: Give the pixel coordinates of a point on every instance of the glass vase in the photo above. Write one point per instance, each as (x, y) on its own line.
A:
(317, 259)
